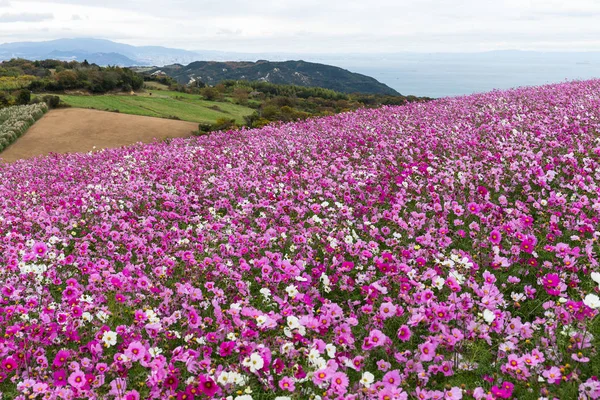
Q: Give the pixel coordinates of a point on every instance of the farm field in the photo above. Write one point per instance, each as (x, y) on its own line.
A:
(162, 104)
(440, 250)
(78, 130)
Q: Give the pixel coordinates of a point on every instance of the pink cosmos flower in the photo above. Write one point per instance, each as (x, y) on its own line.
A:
(321, 376)
(427, 351)
(132, 395)
(473, 208)
(287, 383)
(77, 379)
(453, 394)
(40, 249)
(387, 310)
(339, 382)
(553, 375)
(392, 378)
(404, 333)
(495, 237)
(135, 351)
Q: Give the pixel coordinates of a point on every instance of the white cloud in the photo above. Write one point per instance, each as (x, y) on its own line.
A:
(25, 17)
(320, 26)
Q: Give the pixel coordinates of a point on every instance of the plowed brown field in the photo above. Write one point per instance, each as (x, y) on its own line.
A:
(75, 130)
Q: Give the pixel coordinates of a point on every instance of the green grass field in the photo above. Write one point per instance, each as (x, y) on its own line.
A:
(162, 104)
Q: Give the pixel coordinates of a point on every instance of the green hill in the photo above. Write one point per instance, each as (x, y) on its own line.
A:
(299, 73)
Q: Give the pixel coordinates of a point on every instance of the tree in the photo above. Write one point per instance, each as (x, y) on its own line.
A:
(67, 79)
(23, 97)
(210, 93)
(4, 100)
(241, 95)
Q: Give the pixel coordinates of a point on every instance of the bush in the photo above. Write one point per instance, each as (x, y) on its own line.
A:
(14, 121)
(51, 101)
(210, 93)
(224, 124)
(204, 127)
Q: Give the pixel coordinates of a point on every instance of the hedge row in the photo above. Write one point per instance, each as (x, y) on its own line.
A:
(14, 121)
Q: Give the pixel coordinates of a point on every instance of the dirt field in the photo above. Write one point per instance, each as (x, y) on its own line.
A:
(78, 130)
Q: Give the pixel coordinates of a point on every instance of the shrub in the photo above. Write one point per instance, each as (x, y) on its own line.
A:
(14, 121)
(51, 101)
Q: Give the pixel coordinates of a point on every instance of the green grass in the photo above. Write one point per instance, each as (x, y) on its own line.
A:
(162, 104)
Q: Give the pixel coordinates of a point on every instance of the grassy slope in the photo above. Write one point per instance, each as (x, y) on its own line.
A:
(162, 104)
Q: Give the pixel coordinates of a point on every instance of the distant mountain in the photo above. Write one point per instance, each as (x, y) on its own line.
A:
(299, 73)
(95, 58)
(99, 51)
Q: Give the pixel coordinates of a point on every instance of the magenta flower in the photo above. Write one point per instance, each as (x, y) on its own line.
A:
(9, 364)
(208, 386)
(40, 249)
(171, 382)
(495, 237)
(404, 333)
(551, 280)
(132, 395)
(60, 377)
(527, 245)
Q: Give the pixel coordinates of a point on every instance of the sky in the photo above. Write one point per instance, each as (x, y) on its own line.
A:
(313, 26)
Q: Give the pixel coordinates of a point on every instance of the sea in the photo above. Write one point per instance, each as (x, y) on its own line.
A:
(443, 75)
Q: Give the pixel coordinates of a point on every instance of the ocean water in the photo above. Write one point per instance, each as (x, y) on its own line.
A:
(454, 75)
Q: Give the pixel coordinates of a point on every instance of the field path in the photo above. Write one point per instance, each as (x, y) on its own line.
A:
(75, 130)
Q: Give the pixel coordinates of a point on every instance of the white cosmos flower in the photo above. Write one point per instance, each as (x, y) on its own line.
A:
(222, 379)
(293, 322)
(330, 350)
(254, 362)
(592, 301)
(109, 338)
(292, 291)
(155, 351)
(596, 277)
(488, 316)
(367, 379)
(438, 282)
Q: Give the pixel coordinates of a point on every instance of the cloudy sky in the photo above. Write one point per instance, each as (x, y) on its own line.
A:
(313, 26)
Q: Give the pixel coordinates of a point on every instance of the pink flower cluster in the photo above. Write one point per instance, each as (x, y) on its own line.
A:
(444, 250)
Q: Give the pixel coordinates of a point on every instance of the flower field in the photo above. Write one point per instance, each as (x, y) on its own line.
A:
(440, 250)
(14, 121)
